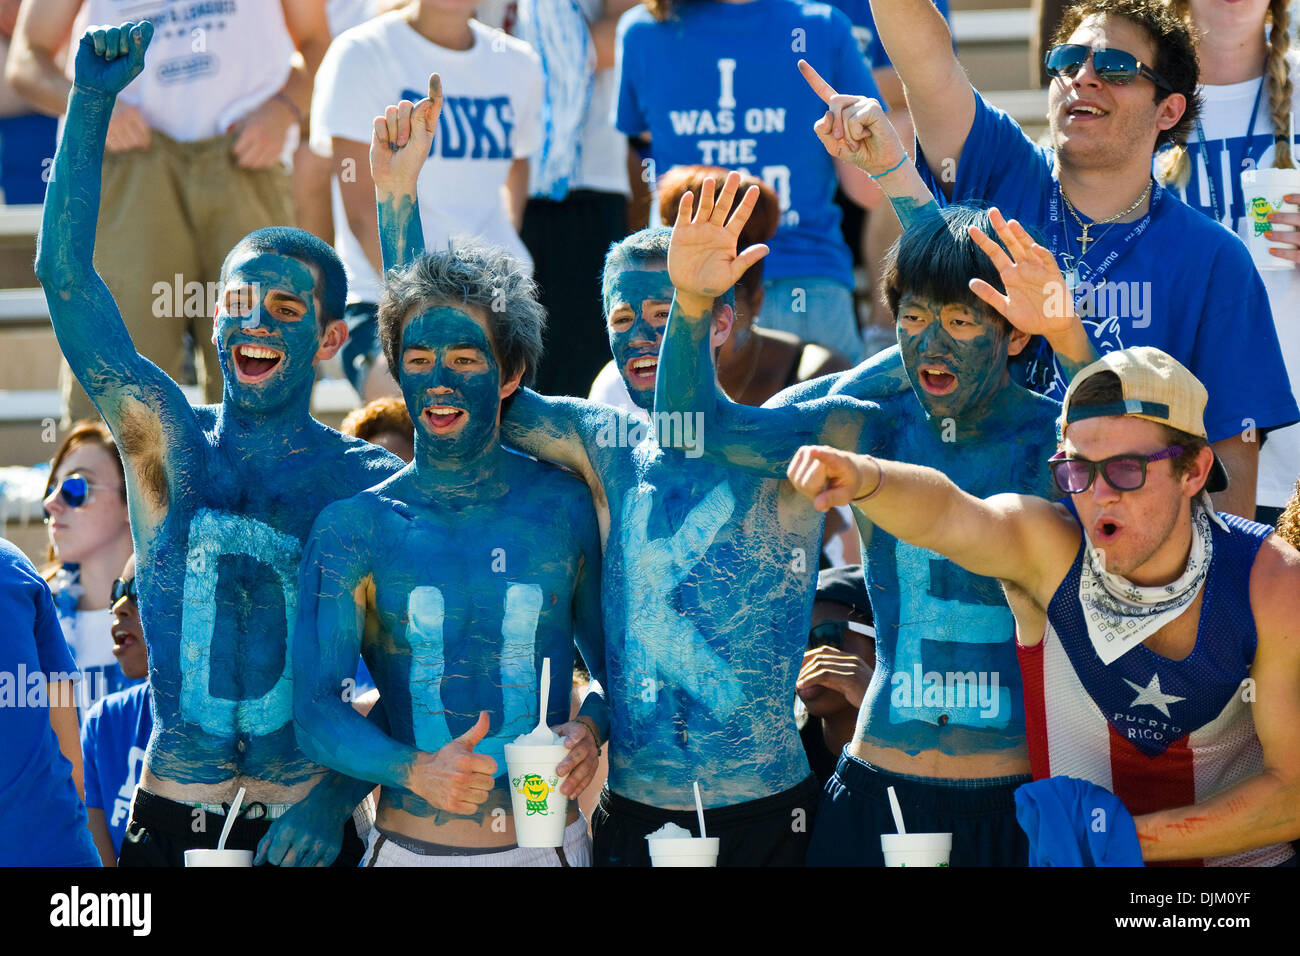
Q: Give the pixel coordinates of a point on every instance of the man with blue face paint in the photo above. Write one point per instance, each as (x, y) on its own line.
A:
(456, 577)
(943, 718)
(707, 583)
(221, 500)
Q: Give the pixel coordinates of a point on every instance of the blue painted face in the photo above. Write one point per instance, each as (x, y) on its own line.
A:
(451, 381)
(266, 330)
(956, 358)
(636, 313)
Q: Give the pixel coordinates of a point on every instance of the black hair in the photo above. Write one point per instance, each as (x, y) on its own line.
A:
(937, 258)
(317, 255)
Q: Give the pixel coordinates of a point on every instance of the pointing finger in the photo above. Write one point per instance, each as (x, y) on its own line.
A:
(814, 79)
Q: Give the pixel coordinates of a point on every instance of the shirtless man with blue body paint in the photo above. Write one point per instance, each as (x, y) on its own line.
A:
(456, 577)
(221, 500)
(943, 718)
(707, 582)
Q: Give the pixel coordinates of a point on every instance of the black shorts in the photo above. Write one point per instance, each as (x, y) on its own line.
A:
(771, 831)
(854, 812)
(161, 830)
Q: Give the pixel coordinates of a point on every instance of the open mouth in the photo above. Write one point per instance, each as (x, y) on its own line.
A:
(937, 380)
(641, 370)
(443, 419)
(1106, 529)
(123, 641)
(254, 363)
(1085, 112)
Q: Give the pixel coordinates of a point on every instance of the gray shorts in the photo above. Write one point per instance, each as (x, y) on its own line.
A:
(387, 849)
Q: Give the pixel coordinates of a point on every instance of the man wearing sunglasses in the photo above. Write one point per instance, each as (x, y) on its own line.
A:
(1143, 268)
(221, 500)
(1157, 640)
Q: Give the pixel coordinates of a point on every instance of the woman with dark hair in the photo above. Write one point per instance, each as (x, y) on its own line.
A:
(1249, 74)
(90, 541)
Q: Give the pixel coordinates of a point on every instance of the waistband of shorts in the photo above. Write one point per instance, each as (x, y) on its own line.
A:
(975, 794)
(425, 848)
(151, 809)
(805, 794)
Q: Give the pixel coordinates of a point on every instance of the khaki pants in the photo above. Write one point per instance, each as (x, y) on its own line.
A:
(173, 210)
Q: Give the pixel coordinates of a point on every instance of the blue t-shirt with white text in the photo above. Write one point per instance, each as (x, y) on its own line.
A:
(719, 85)
(114, 739)
(864, 29)
(1174, 280)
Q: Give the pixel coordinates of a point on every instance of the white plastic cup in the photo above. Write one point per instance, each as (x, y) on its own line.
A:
(218, 857)
(1262, 190)
(916, 849)
(684, 851)
(539, 806)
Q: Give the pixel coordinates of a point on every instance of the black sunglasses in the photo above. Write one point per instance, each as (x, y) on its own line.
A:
(123, 587)
(831, 633)
(1123, 472)
(1114, 66)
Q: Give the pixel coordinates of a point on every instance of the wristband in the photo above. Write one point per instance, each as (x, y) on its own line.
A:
(293, 107)
(592, 729)
(892, 169)
(879, 484)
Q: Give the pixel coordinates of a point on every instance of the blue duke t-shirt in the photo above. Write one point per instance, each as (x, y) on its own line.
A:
(1174, 280)
(42, 821)
(114, 739)
(718, 85)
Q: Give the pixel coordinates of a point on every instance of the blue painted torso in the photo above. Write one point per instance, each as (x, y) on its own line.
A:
(708, 581)
(218, 594)
(946, 674)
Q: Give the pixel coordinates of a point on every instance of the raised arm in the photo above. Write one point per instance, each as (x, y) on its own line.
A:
(146, 410)
(1037, 300)
(703, 263)
(939, 95)
(856, 131)
(1265, 808)
(1036, 540)
(335, 584)
(399, 148)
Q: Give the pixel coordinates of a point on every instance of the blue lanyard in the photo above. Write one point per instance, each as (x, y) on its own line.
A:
(1223, 149)
(1074, 272)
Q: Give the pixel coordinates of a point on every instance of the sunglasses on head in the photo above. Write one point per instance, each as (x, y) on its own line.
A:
(123, 588)
(1118, 67)
(1123, 472)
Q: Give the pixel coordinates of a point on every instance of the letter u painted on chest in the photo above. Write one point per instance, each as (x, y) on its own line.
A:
(426, 614)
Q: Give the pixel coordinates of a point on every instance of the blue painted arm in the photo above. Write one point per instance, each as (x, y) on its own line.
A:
(130, 392)
(760, 441)
(874, 380)
(326, 644)
(401, 237)
(551, 428)
(588, 623)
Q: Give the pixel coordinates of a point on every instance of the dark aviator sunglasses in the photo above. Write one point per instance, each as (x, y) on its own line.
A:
(1118, 67)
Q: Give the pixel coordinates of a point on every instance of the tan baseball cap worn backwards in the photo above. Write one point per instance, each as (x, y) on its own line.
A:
(1156, 387)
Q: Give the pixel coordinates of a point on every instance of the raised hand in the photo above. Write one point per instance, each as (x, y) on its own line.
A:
(702, 259)
(455, 778)
(1037, 301)
(402, 139)
(108, 58)
(855, 128)
(827, 476)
